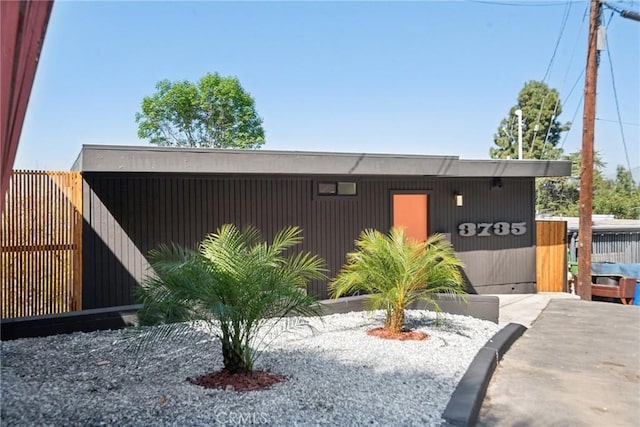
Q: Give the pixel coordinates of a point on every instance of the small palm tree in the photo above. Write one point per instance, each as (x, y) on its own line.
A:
(236, 283)
(396, 271)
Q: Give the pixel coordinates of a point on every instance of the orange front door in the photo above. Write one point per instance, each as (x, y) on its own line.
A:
(410, 211)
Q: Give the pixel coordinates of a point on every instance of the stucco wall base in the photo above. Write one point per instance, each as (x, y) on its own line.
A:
(481, 306)
(485, 307)
(508, 288)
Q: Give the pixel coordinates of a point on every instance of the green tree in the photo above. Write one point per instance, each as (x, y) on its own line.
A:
(236, 283)
(561, 196)
(216, 112)
(624, 180)
(541, 129)
(619, 197)
(396, 271)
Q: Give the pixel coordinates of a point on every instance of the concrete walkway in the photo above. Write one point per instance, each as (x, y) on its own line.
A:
(525, 308)
(577, 365)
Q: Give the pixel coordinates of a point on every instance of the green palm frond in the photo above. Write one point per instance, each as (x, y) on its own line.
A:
(234, 279)
(139, 340)
(396, 271)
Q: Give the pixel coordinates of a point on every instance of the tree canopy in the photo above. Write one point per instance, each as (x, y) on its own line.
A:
(561, 196)
(541, 129)
(215, 112)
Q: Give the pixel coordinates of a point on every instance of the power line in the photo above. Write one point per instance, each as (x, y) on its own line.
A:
(575, 113)
(567, 10)
(629, 14)
(573, 119)
(527, 4)
(618, 121)
(575, 45)
(615, 97)
(575, 84)
(553, 117)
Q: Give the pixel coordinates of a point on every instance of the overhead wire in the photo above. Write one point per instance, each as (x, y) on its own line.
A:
(615, 97)
(582, 96)
(527, 4)
(575, 83)
(546, 137)
(567, 5)
(573, 52)
(580, 102)
(616, 121)
(575, 113)
(563, 25)
(573, 119)
(629, 14)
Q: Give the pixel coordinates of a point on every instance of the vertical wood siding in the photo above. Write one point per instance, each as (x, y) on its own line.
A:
(130, 214)
(40, 241)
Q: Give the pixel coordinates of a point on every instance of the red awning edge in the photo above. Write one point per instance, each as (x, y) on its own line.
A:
(23, 25)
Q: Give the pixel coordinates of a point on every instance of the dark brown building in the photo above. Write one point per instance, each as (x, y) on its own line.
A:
(138, 197)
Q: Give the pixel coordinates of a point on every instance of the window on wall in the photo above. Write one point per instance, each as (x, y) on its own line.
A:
(337, 188)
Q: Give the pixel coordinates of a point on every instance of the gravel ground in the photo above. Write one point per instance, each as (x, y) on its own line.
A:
(336, 375)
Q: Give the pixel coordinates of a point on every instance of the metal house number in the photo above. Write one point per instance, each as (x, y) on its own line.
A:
(485, 229)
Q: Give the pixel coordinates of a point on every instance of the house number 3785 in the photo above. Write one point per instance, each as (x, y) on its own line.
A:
(485, 229)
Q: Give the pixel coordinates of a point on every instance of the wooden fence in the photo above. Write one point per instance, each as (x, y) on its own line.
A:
(551, 256)
(41, 244)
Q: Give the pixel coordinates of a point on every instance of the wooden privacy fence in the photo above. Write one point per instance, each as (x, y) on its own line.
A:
(41, 244)
(551, 256)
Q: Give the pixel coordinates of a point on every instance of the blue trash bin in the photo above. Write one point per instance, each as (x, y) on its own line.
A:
(636, 296)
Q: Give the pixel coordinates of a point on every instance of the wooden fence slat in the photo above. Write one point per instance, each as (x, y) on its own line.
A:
(78, 224)
(40, 244)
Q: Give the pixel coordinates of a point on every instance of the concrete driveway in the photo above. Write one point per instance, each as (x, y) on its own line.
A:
(577, 365)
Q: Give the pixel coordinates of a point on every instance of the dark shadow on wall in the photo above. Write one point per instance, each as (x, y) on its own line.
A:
(468, 286)
(106, 282)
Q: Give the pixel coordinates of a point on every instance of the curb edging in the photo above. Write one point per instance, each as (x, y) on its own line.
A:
(466, 401)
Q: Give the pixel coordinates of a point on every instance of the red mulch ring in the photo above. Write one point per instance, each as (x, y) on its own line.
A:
(260, 380)
(402, 336)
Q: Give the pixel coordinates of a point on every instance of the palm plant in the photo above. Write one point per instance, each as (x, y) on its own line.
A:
(236, 283)
(396, 271)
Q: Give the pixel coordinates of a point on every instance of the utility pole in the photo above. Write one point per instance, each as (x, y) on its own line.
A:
(586, 166)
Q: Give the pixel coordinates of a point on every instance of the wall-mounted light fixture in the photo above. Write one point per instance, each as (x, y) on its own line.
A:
(458, 198)
(496, 183)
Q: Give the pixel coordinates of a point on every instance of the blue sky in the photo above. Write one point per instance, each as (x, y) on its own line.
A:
(387, 77)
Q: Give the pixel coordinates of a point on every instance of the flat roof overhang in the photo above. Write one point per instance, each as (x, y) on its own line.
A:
(140, 159)
(23, 25)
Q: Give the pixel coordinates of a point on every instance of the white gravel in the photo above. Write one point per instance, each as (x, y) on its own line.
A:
(337, 375)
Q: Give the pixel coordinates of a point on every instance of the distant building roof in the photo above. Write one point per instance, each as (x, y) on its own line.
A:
(599, 223)
(110, 158)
